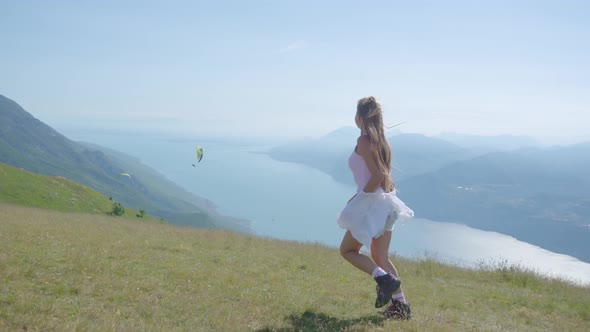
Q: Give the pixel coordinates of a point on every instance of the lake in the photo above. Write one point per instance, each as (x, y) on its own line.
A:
(295, 202)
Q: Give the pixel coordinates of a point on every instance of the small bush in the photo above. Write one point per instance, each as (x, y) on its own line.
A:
(118, 210)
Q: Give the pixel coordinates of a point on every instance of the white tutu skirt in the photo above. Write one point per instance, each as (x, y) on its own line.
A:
(369, 215)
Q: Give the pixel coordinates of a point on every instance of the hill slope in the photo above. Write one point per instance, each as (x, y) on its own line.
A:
(28, 143)
(70, 271)
(21, 187)
(536, 195)
(185, 213)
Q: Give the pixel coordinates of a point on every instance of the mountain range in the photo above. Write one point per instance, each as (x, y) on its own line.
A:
(28, 143)
(537, 195)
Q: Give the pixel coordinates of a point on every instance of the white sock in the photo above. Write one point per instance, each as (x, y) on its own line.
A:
(399, 297)
(377, 272)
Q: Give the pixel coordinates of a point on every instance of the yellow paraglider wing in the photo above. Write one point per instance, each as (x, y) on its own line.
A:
(199, 153)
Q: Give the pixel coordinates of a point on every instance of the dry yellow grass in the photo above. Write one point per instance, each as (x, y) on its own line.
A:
(79, 272)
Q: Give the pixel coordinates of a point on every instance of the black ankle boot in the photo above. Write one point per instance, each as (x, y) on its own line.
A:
(398, 310)
(386, 285)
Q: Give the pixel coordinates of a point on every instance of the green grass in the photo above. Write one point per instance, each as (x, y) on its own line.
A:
(18, 186)
(71, 271)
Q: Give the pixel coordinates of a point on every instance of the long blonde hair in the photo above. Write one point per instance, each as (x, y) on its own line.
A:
(369, 110)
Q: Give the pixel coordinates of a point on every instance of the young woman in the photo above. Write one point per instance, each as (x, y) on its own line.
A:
(369, 216)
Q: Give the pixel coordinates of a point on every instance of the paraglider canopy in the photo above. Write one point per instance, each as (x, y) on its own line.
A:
(199, 153)
(125, 174)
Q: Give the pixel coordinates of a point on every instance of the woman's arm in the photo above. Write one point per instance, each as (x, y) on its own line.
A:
(365, 150)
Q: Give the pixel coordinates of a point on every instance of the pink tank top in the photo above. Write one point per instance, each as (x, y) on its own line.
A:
(360, 171)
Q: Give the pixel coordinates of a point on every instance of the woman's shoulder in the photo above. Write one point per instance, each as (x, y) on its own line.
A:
(363, 139)
(364, 143)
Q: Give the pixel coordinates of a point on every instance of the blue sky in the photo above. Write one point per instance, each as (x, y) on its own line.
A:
(297, 68)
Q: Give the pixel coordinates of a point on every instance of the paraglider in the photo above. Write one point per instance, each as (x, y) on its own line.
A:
(125, 174)
(199, 154)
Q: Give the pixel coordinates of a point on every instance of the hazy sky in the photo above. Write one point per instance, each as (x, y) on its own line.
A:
(297, 68)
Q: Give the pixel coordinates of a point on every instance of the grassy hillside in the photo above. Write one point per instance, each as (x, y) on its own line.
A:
(28, 143)
(18, 186)
(70, 271)
(153, 180)
(184, 212)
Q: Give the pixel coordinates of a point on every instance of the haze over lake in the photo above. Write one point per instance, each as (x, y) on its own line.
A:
(295, 202)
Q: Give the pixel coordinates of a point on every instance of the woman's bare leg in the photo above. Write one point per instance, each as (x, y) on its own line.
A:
(350, 250)
(380, 254)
